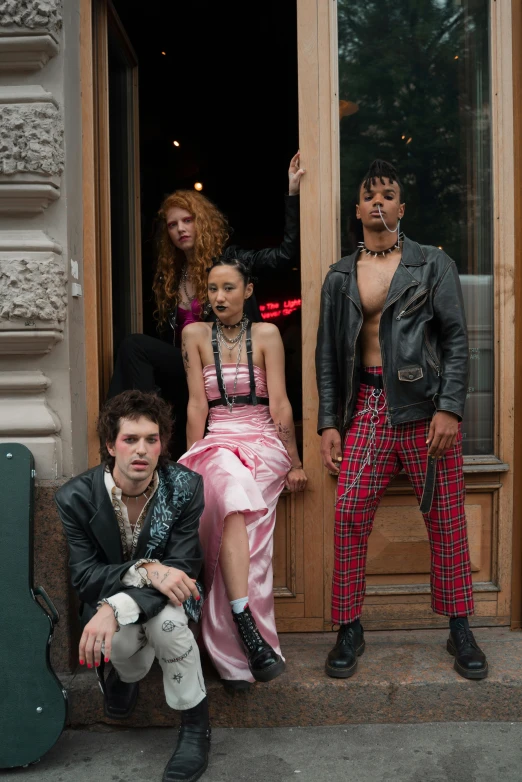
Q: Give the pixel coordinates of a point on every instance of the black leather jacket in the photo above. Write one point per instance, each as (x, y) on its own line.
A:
(422, 335)
(276, 259)
(170, 533)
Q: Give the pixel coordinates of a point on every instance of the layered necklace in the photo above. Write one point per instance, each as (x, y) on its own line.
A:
(381, 253)
(230, 343)
(185, 277)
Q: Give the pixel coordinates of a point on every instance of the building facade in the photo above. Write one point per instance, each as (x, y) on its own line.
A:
(56, 335)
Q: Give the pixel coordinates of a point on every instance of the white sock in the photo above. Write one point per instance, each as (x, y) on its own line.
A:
(239, 605)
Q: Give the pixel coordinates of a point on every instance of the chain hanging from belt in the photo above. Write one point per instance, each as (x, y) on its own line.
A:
(372, 407)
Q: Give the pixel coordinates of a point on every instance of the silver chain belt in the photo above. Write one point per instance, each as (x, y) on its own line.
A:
(372, 407)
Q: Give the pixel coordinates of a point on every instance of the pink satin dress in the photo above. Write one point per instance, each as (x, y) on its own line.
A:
(244, 465)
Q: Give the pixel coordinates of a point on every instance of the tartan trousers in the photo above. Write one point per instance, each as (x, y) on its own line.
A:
(360, 489)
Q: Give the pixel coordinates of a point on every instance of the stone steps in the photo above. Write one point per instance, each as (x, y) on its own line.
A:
(403, 676)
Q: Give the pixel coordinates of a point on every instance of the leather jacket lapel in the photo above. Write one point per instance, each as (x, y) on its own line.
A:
(103, 524)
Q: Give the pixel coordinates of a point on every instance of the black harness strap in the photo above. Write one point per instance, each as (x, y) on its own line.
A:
(250, 360)
(217, 362)
(252, 398)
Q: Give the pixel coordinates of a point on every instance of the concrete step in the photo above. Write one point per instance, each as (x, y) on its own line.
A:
(403, 676)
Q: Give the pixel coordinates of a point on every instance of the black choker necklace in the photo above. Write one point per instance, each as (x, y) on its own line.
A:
(234, 325)
(381, 253)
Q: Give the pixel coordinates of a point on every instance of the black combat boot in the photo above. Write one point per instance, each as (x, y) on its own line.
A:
(119, 698)
(470, 660)
(342, 660)
(263, 662)
(190, 758)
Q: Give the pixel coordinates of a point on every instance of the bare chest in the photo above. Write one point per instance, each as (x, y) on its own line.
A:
(374, 277)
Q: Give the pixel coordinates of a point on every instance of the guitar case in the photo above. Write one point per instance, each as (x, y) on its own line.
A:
(33, 703)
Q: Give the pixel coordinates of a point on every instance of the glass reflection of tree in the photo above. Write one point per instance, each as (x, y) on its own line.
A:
(410, 66)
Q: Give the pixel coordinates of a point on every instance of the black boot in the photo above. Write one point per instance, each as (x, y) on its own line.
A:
(470, 660)
(119, 698)
(342, 660)
(263, 662)
(190, 758)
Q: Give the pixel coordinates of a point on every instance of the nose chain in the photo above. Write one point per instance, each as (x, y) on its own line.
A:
(373, 408)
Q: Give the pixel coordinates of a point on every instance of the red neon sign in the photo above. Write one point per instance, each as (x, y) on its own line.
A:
(278, 309)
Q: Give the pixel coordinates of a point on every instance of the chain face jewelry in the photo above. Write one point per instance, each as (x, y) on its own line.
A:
(372, 407)
(382, 253)
(222, 341)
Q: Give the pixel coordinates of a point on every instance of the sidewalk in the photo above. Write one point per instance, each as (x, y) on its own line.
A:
(404, 676)
(431, 752)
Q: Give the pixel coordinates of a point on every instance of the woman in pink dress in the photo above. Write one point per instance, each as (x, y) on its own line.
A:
(236, 376)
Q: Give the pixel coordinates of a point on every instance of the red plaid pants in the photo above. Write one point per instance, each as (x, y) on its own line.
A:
(360, 489)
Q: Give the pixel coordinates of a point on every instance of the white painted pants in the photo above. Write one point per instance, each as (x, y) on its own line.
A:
(167, 637)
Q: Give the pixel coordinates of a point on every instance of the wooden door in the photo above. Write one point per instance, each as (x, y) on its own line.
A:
(398, 592)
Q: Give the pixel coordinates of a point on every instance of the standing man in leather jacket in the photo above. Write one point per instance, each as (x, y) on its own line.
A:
(392, 368)
(132, 526)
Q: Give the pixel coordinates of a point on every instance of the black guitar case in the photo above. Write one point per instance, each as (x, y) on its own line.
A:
(33, 703)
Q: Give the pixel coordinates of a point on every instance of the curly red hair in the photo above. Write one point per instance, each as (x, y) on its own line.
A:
(211, 236)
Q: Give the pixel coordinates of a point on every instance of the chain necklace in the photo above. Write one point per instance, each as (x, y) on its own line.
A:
(184, 280)
(221, 340)
(231, 342)
(381, 253)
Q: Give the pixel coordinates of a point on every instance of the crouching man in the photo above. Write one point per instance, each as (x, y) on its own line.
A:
(132, 528)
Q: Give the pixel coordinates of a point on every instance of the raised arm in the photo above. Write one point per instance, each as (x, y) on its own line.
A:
(287, 253)
(197, 410)
(280, 407)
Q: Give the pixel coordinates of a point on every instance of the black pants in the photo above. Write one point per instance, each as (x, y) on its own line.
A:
(149, 364)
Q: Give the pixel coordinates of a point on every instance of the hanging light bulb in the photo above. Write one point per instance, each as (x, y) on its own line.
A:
(198, 186)
(176, 143)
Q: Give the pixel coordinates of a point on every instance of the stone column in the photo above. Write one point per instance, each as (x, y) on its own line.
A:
(42, 367)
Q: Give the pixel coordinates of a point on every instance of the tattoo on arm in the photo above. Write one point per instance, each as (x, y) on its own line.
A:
(165, 575)
(184, 355)
(155, 573)
(283, 432)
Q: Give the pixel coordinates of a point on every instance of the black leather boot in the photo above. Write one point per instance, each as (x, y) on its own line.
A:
(341, 662)
(263, 662)
(190, 758)
(470, 660)
(119, 698)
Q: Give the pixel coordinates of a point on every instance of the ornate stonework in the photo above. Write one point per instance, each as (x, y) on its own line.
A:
(31, 14)
(31, 139)
(32, 290)
(31, 149)
(33, 293)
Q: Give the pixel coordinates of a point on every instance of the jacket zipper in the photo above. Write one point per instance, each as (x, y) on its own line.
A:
(407, 310)
(433, 361)
(396, 298)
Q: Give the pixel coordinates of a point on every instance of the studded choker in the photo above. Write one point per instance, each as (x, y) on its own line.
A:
(381, 253)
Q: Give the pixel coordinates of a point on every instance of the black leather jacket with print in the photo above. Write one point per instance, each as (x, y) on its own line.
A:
(422, 335)
(170, 533)
(270, 259)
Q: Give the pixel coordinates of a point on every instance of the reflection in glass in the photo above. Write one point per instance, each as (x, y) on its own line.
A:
(414, 89)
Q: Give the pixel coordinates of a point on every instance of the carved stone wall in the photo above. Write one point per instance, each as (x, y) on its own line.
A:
(31, 139)
(33, 292)
(31, 14)
(31, 149)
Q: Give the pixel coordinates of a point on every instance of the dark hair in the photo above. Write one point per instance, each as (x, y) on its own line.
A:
(380, 169)
(133, 405)
(235, 263)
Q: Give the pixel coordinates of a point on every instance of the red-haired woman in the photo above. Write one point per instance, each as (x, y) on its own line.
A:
(193, 232)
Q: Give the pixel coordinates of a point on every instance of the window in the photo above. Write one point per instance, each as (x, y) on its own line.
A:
(414, 89)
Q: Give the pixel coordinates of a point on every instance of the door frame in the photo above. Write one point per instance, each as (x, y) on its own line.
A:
(97, 18)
